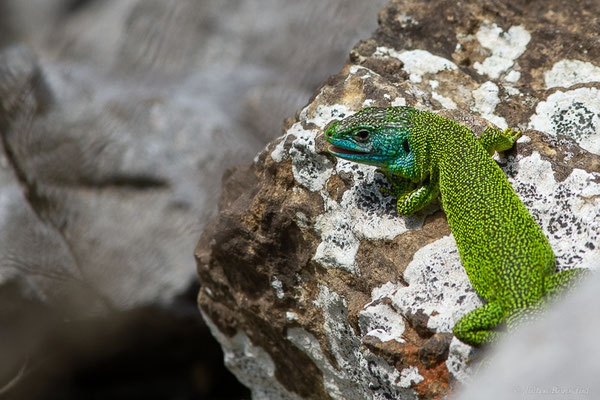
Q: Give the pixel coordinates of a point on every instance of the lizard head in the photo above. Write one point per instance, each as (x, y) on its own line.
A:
(376, 136)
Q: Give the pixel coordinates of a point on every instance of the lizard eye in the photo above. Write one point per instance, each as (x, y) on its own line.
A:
(362, 135)
(405, 146)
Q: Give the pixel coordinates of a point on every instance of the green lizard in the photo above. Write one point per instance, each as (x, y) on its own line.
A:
(425, 156)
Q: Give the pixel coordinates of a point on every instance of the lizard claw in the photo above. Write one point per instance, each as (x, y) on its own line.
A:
(387, 192)
(512, 135)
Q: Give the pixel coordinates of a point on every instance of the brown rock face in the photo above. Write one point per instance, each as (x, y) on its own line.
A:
(311, 282)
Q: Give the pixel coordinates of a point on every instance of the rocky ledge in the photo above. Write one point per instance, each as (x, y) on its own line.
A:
(312, 283)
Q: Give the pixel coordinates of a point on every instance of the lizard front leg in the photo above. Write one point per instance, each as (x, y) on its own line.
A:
(418, 198)
(400, 185)
(411, 198)
(493, 139)
(415, 200)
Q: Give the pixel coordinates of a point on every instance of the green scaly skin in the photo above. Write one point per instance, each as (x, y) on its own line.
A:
(505, 253)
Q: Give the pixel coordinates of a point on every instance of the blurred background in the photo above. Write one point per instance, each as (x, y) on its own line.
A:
(118, 119)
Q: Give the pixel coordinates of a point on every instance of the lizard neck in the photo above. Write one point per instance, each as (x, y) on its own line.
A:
(436, 140)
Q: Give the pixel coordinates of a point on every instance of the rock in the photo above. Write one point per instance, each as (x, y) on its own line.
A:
(435, 350)
(313, 285)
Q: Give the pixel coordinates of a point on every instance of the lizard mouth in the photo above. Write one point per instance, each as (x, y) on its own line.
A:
(344, 152)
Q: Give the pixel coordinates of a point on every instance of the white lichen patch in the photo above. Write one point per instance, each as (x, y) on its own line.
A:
(510, 80)
(363, 72)
(399, 102)
(277, 285)
(457, 363)
(278, 154)
(567, 211)
(512, 77)
(505, 47)
(359, 373)
(524, 139)
(310, 170)
(446, 102)
(339, 244)
(363, 213)
(372, 213)
(417, 63)
(251, 365)
(406, 20)
(368, 103)
(381, 321)
(302, 220)
(574, 113)
(438, 286)
(320, 116)
(566, 73)
(486, 99)
(410, 375)
(291, 316)
(324, 114)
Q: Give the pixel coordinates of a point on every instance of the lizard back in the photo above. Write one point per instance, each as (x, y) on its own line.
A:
(499, 242)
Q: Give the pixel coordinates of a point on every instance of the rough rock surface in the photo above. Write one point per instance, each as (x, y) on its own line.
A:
(313, 285)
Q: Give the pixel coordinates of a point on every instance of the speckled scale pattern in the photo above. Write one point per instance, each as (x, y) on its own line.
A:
(506, 255)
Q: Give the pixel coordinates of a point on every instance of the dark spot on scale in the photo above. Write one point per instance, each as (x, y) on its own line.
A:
(405, 146)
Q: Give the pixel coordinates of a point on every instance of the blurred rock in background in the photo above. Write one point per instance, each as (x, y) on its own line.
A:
(117, 120)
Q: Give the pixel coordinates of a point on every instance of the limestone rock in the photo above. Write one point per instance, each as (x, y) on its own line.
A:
(311, 282)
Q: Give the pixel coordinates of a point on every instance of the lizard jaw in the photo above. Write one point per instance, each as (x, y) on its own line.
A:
(341, 152)
(361, 156)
